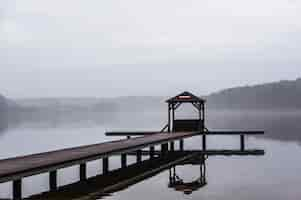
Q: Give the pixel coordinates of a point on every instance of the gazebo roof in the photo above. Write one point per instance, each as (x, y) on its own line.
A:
(185, 97)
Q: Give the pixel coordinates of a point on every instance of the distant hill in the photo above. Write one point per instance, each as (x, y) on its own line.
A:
(3, 105)
(278, 95)
(3, 112)
(282, 95)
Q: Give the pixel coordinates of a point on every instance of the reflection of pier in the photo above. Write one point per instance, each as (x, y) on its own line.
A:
(119, 179)
(15, 169)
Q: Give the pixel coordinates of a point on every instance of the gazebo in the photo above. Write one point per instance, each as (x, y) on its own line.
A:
(176, 125)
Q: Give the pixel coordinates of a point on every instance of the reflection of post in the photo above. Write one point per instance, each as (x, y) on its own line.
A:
(173, 178)
(203, 170)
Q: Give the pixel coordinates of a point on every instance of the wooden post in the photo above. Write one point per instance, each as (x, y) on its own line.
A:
(242, 142)
(105, 165)
(151, 152)
(83, 172)
(204, 142)
(200, 109)
(203, 116)
(181, 145)
(139, 156)
(172, 146)
(164, 149)
(169, 123)
(17, 189)
(123, 161)
(173, 115)
(53, 180)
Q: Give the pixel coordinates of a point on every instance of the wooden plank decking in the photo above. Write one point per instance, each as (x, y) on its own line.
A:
(216, 152)
(19, 167)
(142, 133)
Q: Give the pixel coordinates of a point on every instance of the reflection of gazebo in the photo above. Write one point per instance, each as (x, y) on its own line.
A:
(187, 187)
(178, 184)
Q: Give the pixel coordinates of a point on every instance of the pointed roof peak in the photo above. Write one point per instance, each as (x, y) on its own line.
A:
(185, 97)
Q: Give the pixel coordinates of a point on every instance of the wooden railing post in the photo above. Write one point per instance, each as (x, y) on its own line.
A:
(151, 152)
(83, 172)
(53, 180)
(105, 165)
(181, 145)
(164, 149)
(123, 161)
(204, 142)
(139, 156)
(242, 142)
(172, 146)
(17, 189)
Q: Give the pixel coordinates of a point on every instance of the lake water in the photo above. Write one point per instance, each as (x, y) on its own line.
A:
(272, 176)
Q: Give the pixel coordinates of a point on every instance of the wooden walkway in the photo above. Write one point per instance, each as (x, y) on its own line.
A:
(143, 133)
(215, 152)
(19, 167)
(118, 179)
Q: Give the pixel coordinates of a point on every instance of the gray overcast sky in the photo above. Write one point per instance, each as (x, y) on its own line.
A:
(107, 48)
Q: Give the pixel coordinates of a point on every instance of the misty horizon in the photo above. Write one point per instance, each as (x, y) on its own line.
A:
(143, 95)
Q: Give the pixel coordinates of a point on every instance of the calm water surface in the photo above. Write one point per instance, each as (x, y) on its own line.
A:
(273, 176)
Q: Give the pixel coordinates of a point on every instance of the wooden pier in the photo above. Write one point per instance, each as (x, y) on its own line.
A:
(15, 169)
(118, 179)
(241, 134)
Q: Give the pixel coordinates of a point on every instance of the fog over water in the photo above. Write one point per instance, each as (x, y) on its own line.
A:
(272, 176)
